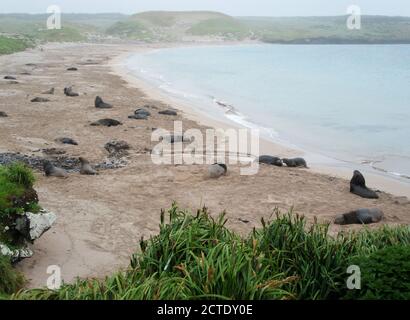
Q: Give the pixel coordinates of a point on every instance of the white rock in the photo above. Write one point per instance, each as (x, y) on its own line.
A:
(39, 223)
(15, 255)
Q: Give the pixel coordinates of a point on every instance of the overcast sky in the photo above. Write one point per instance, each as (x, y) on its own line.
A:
(232, 7)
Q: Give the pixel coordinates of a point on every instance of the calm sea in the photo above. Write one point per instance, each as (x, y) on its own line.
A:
(345, 102)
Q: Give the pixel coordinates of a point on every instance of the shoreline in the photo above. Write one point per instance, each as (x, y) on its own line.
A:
(321, 163)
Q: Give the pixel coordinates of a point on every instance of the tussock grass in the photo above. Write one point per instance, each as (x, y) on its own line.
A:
(10, 279)
(197, 257)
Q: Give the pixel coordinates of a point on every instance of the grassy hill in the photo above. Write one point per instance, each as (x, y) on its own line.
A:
(177, 26)
(75, 27)
(10, 45)
(375, 29)
(166, 26)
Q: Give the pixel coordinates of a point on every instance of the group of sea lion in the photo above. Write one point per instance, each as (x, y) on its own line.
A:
(52, 171)
(357, 186)
(276, 161)
(363, 215)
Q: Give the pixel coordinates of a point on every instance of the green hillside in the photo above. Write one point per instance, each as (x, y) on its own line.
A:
(167, 26)
(10, 45)
(75, 27)
(178, 26)
(375, 29)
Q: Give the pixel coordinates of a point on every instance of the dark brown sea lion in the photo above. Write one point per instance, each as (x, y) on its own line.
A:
(358, 186)
(275, 161)
(217, 170)
(99, 103)
(107, 123)
(70, 93)
(360, 216)
(86, 167)
(295, 162)
(52, 171)
(39, 99)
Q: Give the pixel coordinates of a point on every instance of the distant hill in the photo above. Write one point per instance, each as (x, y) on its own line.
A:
(166, 26)
(179, 26)
(75, 27)
(331, 30)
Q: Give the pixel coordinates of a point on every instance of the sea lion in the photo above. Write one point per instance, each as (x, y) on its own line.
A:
(217, 170)
(39, 99)
(51, 91)
(140, 114)
(168, 112)
(275, 161)
(175, 138)
(295, 162)
(358, 186)
(10, 78)
(106, 123)
(360, 216)
(67, 141)
(52, 171)
(70, 93)
(72, 69)
(86, 167)
(99, 103)
(3, 114)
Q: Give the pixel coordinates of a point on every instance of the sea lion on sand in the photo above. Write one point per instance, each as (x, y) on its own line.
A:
(360, 216)
(295, 162)
(52, 171)
(86, 167)
(175, 139)
(275, 161)
(140, 114)
(217, 170)
(99, 103)
(72, 69)
(9, 78)
(358, 186)
(168, 112)
(3, 114)
(51, 91)
(67, 141)
(70, 93)
(39, 99)
(107, 123)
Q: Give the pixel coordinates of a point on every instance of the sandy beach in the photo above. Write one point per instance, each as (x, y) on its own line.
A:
(102, 218)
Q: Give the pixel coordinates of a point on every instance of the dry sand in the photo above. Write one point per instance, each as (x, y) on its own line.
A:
(102, 218)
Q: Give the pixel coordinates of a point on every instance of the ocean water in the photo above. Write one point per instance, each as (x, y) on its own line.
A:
(345, 102)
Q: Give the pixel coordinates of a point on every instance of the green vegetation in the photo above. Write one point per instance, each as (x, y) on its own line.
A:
(332, 30)
(10, 280)
(16, 197)
(227, 27)
(15, 180)
(75, 27)
(163, 26)
(11, 45)
(197, 257)
(385, 274)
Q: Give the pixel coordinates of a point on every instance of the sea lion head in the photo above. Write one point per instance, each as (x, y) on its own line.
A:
(340, 219)
(358, 179)
(83, 160)
(286, 161)
(48, 167)
(223, 166)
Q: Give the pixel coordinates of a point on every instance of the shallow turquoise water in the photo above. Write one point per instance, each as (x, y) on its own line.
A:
(348, 102)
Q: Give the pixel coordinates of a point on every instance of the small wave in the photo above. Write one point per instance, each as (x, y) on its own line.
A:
(166, 87)
(383, 165)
